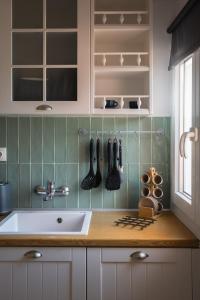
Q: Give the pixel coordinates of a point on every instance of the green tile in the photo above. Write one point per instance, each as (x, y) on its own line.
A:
(48, 175)
(73, 184)
(48, 140)
(96, 193)
(145, 123)
(164, 171)
(24, 186)
(121, 196)
(108, 126)
(36, 179)
(36, 140)
(160, 143)
(24, 140)
(12, 139)
(133, 185)
(133, 141)
(72, 140)
(145, 148)
(108, 199)
(2, 131)
(13, 179)
(84, 195)
(60, 180)
(133, 123)
(60, 140)
(84, 140)
(122, 124)
(3, 171)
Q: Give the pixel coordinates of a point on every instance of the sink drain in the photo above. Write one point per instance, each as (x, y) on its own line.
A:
(59, 220)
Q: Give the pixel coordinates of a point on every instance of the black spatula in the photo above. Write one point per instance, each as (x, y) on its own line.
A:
(98, 178)
(88, 181)
(109, 157)
(114, 180)
(120, 159)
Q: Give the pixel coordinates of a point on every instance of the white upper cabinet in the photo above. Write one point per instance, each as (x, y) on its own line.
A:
(121, 57)
(45, 56)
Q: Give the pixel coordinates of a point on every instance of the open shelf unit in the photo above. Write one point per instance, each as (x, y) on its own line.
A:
(121, 56)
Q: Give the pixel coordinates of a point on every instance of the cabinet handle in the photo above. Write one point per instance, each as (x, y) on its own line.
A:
(33, 254)
(139, 255)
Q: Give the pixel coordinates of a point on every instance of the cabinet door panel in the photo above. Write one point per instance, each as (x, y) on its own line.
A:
(150, 279)
(62, 277)
(34, 273)
(5, 282)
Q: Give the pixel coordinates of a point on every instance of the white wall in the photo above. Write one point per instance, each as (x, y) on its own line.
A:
(164, 12)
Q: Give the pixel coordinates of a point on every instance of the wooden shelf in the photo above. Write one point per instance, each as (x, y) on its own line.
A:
(121, 111)
(121, 69)
(119, 12)
(107, 27)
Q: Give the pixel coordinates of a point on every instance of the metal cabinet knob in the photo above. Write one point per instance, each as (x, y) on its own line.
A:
(33, 254)
(139, 255)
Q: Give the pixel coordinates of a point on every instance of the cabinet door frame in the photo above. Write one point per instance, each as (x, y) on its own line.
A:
(82, 105)
(96, 257)
(75, 256)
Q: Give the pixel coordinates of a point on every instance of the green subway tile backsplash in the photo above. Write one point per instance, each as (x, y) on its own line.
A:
(49, 148)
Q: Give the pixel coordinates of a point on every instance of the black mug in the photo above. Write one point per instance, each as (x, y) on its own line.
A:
(111, 104)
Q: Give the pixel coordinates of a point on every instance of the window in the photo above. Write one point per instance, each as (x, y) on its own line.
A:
(185, 162)
(186, 133)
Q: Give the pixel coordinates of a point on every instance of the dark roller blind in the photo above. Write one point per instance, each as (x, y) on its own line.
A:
(185, 30)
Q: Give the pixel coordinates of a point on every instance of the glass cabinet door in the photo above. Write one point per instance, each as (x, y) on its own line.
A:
(44, 50)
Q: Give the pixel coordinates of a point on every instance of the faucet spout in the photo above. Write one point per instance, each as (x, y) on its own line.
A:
(50, 191)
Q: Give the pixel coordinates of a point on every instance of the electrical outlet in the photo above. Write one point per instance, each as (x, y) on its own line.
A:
(3, 154)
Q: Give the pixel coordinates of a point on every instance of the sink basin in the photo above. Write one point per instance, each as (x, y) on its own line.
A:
(46, 222)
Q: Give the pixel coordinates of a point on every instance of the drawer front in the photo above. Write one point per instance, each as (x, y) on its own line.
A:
(147, 255)
(35, 254)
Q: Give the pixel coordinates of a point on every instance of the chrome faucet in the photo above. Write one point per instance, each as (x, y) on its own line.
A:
(50, 191)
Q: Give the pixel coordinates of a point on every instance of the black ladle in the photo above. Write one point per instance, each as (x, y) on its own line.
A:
(88, 181)
(98, 177)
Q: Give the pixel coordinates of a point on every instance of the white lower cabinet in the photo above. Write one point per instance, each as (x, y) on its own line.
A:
(42, 273)
(112, 274)
(130, 274)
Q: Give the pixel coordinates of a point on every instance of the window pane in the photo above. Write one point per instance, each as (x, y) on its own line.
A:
(187, 184)
(27, 14)
(62, 84)
(27, 84)
(61, 14)
(61, 48)
(27, 48)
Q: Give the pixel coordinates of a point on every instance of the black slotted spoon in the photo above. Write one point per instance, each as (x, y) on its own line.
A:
(88, 181)
(98, 177)
(114, 180)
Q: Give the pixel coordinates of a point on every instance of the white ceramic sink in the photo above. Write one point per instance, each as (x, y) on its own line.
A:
(46, 222)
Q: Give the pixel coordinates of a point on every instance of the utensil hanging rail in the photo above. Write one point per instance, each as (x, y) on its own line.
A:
(84, 131)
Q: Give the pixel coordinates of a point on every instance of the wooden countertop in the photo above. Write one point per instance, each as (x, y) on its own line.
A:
(167, 231)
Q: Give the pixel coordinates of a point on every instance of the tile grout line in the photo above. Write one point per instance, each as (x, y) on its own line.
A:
(90, 123)
(19, 169)
(54, 156)
(42, 158)
(139, 156)
(30, 170)
(6, 120)
(127, 183)
(66, 158)
(102, 160)
(78, 140)
(114, 191)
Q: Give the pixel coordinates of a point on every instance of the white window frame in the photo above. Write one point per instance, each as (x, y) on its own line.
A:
(179, 199)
